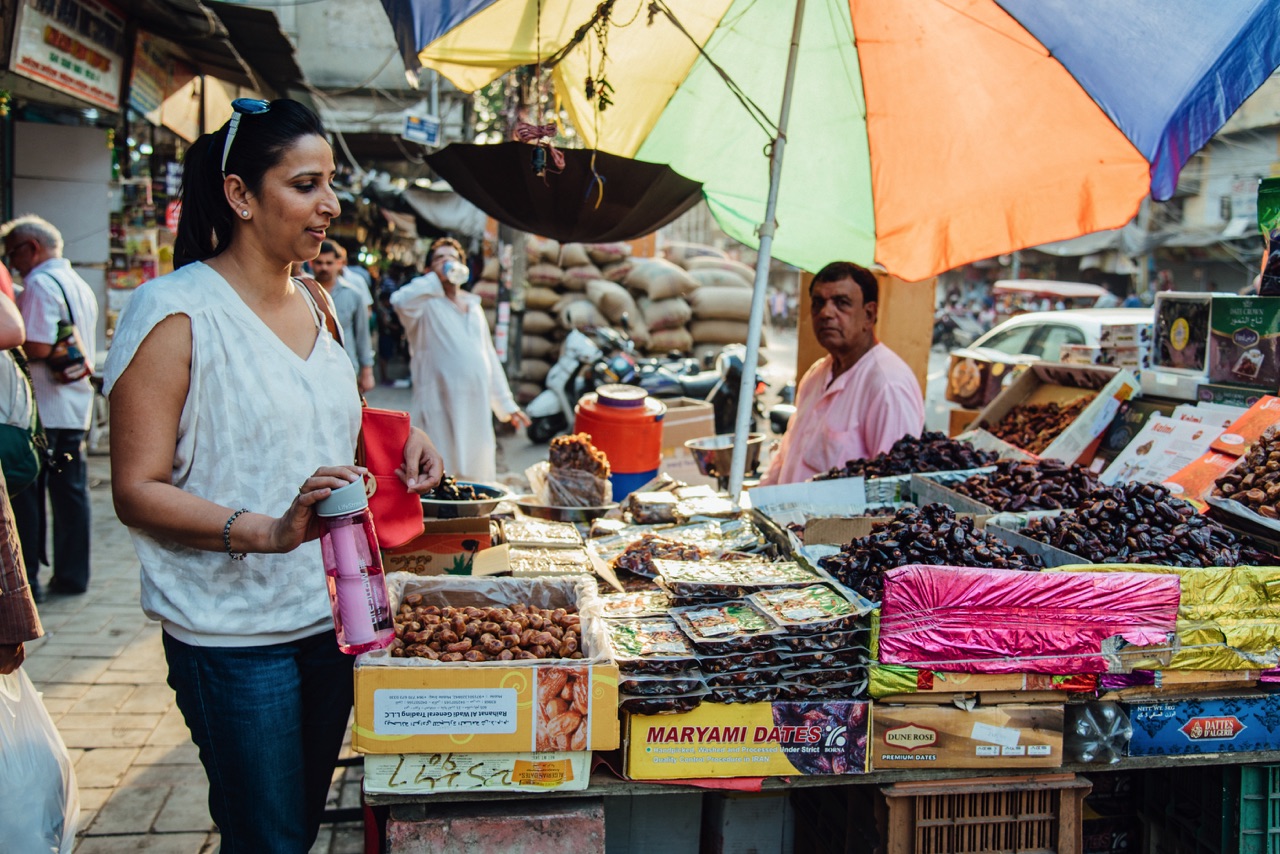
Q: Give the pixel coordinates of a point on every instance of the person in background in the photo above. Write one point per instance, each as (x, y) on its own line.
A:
(858, 400)
(233, 411)
(350, 311)
(52, 292)
(457, 377)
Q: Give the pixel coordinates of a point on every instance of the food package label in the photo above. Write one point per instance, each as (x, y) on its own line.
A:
(1245, 341)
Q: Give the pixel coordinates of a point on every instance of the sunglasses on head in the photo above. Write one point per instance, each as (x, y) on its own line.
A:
(241, 107)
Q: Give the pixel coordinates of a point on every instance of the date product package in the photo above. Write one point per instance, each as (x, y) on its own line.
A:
(1245, 336)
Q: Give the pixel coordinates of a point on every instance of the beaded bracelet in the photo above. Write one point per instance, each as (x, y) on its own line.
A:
(226, 535)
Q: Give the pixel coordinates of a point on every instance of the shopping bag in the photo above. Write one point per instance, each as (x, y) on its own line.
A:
(39, 802)
(397, 512)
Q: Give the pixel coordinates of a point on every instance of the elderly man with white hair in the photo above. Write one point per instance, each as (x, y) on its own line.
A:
(53, 293)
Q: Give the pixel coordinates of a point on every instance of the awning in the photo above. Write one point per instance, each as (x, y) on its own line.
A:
(1046, 288)
(255, 54)
(447, 211)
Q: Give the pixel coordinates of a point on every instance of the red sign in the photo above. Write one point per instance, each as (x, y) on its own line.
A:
(1219, 729)
(172, 213)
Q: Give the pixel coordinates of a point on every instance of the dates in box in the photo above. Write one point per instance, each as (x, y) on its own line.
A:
(1245, 341)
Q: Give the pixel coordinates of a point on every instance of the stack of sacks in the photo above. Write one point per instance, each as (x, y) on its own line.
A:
(721, 304)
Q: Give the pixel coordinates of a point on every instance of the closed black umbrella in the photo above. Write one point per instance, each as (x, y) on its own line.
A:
(621, 200)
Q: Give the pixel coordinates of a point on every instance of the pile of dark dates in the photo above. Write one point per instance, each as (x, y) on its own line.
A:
(1143, 523)
(448, 489)
(1033, 426)
(1255, 480)
(932, 451)
(1044, 485)
(931, 534)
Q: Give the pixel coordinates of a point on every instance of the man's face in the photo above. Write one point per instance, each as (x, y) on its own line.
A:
(326, 266)
(22, 252)
(440, 256)
(842, 322)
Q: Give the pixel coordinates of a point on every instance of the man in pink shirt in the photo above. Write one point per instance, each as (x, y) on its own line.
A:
(861, 398)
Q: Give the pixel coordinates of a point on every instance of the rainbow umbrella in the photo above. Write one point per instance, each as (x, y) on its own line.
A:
(920, 134)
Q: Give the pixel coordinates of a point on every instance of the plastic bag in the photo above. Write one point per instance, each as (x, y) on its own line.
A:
(568, 487)
(1269, 225)
(37, 781)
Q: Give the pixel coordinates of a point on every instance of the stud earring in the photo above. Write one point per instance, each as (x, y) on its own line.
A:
(244, 214)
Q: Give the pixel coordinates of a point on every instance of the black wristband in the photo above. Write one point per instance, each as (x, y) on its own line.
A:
(226, 535)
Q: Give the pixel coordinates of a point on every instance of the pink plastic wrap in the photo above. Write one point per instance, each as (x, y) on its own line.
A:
(1001, 621)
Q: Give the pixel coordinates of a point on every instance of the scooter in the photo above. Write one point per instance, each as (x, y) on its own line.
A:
(780, 414)
(605, 355)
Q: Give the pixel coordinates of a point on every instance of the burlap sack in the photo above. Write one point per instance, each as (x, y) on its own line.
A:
(617, 271)
(538, 323)
(490, 269)
(717, 303)
(608, 253)
(714, 278)
(663, 314)
(579, 313)
(540, 299)
(573, 255)
(682, 252)
(658, 279)
(534, 370)
(487, 291)
(536, 347)
(576, 278)
(541, 249)
(666, 340)
(744, 271)
(718, 331)
(544, 275)
(526, 391)
(613, 300)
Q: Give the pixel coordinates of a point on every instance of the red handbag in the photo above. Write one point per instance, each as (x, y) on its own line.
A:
(397, 512)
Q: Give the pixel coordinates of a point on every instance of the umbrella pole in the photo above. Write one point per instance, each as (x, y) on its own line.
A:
(747, 388)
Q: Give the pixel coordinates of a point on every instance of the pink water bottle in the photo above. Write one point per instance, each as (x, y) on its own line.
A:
(353, 570)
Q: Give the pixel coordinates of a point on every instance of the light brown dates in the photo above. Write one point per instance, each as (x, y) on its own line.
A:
(518, 633)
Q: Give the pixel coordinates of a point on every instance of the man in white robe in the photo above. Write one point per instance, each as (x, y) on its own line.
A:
(457, 378)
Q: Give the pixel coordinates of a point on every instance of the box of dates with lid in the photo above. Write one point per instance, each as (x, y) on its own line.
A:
(489, 665)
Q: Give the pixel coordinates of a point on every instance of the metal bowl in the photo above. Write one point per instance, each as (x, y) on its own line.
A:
(530, 507)
(435, 508)
(714, 454)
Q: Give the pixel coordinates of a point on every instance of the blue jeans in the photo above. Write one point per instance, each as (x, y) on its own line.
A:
(66, 482)
(269, 722)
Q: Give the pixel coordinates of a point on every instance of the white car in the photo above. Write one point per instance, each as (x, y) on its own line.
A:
(1039, 335)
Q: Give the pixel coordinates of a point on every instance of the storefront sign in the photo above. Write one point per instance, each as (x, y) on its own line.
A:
(74, 46)
(152, 78)
(423, 129)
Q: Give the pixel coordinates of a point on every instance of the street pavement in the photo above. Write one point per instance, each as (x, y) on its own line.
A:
(102, 673)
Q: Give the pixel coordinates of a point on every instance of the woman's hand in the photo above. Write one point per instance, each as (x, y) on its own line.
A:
(423, 467)
(299, 523)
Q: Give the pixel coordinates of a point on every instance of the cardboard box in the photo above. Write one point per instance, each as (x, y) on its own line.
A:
(1133, 413)
(1171, 384)
(814, 499)
(741, 823)
(945, 682)
(934, 488)
(748, 740)
(1126, 335)
(1044, 382)
(446, 547)
(1003, 527)
(1245, 430)
(429, 773)
(1181, 333)
(1182, 682)
(1008, 736)
(1231, 395)
(1120, 357)
(1244, 341)
(411, 705)
(974, 382)
(1194, 481)
(1241, 723)
(686, 418)
(671, 824)
(959, 420)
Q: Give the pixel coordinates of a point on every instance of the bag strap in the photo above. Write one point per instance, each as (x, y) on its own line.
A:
(324, 303)
(70, 314)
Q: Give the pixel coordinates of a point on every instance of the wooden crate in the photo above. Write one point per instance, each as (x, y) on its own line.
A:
(1039, 813)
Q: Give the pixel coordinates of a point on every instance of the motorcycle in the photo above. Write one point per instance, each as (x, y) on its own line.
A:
(592, 358)
(780, 414)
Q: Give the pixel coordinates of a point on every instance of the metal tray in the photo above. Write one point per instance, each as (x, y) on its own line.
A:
(434, 508)
(530, 507)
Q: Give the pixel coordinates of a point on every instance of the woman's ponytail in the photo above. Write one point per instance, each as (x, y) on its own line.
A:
(204, 227)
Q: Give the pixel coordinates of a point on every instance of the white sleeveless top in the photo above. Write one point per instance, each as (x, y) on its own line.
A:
(257, 422)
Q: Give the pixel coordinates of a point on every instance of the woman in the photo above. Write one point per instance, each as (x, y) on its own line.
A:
(233, 411)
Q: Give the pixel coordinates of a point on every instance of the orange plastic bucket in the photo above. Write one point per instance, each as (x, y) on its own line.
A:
(626, 424)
